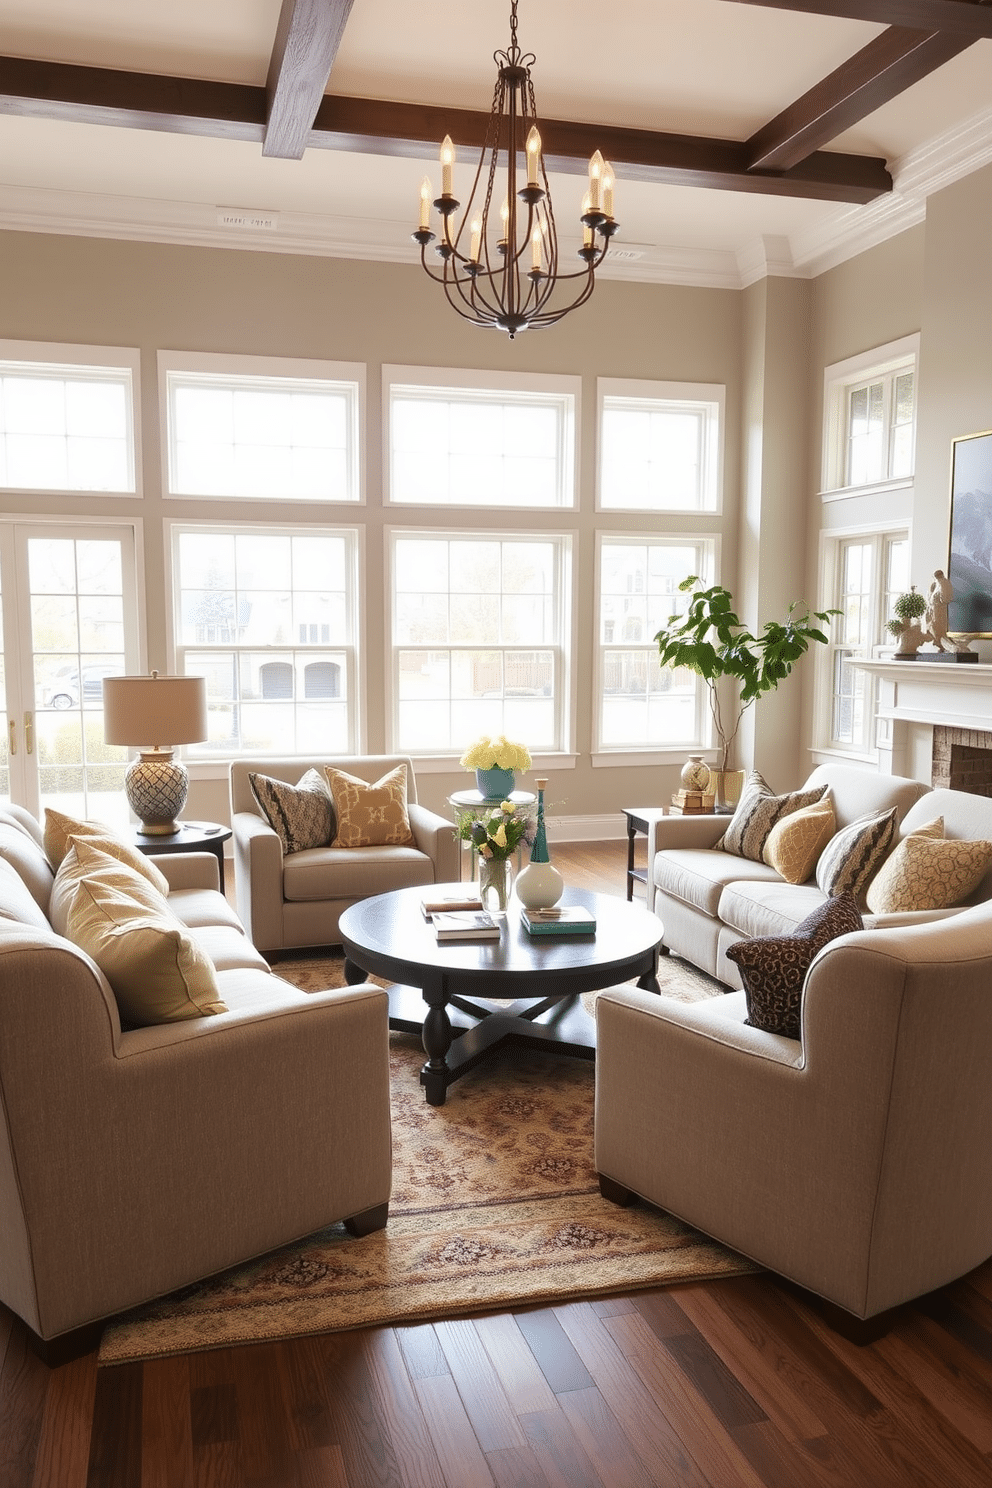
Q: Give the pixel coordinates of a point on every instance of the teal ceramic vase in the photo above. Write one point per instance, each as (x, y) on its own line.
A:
(539, 885)
(494, 784)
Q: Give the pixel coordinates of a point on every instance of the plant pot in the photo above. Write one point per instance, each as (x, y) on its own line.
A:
(494, 882)
(726, 786)
(495, 784)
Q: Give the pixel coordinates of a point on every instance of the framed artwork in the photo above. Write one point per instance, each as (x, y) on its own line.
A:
(970, 562)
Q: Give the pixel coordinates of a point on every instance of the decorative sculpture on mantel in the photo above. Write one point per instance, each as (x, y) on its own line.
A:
(939, 596)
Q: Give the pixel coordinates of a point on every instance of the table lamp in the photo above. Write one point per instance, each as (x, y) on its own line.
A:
(137, 711)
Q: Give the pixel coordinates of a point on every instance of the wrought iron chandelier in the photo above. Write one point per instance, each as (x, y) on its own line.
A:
(508, 277)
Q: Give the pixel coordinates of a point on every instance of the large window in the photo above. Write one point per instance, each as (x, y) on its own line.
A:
(479, 627)
(66, 424)
(870, 423)
(480, 439)
(642, 705)
(659, 446)
(246, 429)
(869, 572)
(267, 615)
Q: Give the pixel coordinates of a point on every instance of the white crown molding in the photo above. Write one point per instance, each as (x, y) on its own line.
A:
(839, 237)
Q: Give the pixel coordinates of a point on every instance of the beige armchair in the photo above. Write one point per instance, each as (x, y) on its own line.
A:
(857, 1161)
(297, 900)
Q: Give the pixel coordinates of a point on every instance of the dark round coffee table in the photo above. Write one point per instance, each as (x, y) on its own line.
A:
(543, 976)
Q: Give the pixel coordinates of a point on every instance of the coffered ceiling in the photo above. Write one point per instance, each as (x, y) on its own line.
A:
(747, 135)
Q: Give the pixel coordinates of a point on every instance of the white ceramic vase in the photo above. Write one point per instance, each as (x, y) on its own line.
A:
(539, 885)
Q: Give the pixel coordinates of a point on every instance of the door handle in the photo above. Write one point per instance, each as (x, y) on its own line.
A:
(12, 735)
(29, 732)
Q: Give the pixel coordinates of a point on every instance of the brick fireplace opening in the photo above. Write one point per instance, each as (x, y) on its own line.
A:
(962, 760)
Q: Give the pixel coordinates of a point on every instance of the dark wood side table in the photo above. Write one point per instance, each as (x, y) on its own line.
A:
(641, 820)
(191, 837)
(541, 976)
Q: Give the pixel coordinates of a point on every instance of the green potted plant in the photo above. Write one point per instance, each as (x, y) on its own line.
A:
(908, 610)
(712, 641)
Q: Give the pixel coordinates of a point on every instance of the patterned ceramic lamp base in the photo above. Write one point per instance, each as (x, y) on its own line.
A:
(156, 786)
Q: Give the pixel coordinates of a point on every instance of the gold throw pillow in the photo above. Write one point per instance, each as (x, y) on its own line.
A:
(60, 829)
(794, 844)
(928, 873)
(370, 815)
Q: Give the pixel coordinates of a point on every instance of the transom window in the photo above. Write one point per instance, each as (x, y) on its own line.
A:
(480, 439)
(642, 705)
(478, 639)
(267, 616)
(66, 425)
(870, 418)
(261, 434)
(659, 446)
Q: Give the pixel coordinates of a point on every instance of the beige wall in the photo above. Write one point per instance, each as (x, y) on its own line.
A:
(152, 296)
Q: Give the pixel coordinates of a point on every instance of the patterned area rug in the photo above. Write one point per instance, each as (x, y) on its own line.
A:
(495, 1202)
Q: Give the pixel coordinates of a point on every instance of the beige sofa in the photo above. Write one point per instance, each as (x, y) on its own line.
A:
(297, 899)
(708, 899)
(856, 1161)
(135, 1161)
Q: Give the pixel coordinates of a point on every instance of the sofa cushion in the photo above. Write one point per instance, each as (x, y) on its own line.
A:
(157, 971)
(60, 829)
(775, 908)
(757, 812)
(773, 968)
(301, 815)
(353, 873)
(29, 863)
(928, 872)
(85, 861)
(699, 875)
(794, 844)
(370, 815)
(854, 855)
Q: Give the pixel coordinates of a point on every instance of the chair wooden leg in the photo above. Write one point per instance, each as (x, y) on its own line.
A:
(368, 1221)
(615, 1192)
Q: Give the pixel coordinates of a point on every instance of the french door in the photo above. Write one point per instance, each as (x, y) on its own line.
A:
(68, 605)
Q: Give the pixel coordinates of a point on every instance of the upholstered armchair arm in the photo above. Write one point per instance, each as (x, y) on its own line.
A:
(258, 880)
(435, 836)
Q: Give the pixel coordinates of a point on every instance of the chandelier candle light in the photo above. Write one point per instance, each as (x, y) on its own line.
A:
(509, 283)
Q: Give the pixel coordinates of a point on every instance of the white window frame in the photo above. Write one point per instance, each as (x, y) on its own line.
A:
(98, 363)
(280, 372)
(832, 545)
(564, 543)
(445, 382)
(839, 381)
(708, 545)
(709, 398)
(199, 756)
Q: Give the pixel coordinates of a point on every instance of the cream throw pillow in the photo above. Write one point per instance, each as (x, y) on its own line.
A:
(60, 829)
(794, 844)
(928, 872)
(85, 862)
(157, 971)
(370, 815)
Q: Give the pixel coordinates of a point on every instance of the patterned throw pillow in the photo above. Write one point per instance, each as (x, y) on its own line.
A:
(794, 844)
(926, 872)
(370, 815)
(773, 967)
(854, 855)
(301, 815)
(758, 811)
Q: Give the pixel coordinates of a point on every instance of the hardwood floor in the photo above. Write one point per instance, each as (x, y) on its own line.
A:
(718, 1385)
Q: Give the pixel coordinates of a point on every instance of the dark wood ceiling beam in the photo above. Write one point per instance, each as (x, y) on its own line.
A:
(415, 131)
(964, 17)
(887, 66)
(307, 40)
(91, 95)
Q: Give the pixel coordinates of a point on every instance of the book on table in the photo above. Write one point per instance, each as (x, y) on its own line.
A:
(446, 903)
(465, 924)
(568, 919)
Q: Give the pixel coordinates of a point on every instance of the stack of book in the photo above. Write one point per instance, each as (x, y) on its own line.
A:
(570, 919)
(465, 924)
(446, 903)
(692, 803)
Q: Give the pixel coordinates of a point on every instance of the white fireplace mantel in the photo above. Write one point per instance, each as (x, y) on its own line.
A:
(916, 696)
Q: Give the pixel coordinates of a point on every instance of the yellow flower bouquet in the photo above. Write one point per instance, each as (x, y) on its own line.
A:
(500, 754)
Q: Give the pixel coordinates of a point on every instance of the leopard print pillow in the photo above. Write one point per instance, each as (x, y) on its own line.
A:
(773, 967)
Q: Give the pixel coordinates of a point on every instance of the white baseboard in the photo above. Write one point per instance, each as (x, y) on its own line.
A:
(609, 827)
